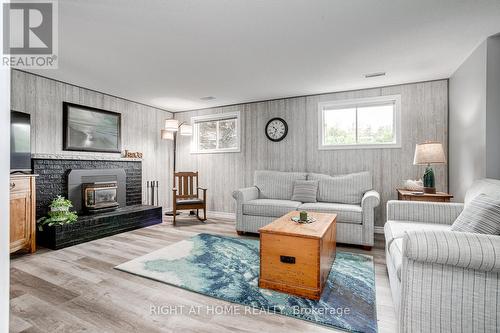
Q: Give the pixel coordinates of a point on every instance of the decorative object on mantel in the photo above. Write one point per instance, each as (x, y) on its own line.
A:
(428, 153)
(414, 185)
(59, 213)
(91, 129)
(132, 154)
(172, 126)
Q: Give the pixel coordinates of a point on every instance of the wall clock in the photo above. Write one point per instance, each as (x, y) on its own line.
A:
(276, 129)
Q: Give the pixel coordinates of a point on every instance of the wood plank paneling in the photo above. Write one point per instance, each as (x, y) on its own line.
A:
(141, 124)
(424, 113)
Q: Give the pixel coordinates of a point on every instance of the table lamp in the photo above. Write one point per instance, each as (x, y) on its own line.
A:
(428, 153)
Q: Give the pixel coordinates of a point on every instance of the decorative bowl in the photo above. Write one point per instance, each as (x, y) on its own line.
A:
(298, 220)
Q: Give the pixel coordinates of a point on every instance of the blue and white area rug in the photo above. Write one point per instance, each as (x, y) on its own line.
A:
(228, 268)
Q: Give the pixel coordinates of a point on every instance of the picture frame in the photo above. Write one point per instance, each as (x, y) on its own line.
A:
(91, 129)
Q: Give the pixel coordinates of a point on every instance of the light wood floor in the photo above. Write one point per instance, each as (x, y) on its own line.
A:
(77, 290)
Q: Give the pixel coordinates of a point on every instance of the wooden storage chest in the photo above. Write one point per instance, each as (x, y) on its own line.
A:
(297, 258)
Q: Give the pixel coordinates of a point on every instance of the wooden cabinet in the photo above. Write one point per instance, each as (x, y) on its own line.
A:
(22, 213)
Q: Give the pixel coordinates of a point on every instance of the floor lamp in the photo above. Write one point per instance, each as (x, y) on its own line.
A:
(172, 127)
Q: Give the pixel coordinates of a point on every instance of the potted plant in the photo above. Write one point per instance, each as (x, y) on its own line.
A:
(59, 214)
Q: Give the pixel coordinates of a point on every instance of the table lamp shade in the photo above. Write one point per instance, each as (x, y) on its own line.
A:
(429, 153)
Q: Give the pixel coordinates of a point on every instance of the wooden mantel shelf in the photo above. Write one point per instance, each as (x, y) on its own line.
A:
(85, 157)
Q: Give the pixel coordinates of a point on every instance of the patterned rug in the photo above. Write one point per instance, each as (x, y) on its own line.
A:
(228, 268)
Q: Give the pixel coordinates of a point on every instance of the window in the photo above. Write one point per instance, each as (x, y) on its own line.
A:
(361, 123)
(216, 133)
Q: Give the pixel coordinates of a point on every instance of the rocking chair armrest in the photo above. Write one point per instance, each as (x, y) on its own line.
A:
(204, 193)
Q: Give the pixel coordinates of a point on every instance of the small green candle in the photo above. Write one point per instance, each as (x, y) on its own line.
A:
(303, 215)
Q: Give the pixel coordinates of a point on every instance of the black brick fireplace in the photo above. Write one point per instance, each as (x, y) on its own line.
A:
(60, 177)
(53, 179)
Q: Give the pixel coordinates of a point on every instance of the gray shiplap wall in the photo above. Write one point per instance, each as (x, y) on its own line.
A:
(141, 125)
(424, 108)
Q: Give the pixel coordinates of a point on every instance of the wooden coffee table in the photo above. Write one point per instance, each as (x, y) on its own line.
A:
(297, 258)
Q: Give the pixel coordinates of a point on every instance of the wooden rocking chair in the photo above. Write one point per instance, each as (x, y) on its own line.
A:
(186, 195)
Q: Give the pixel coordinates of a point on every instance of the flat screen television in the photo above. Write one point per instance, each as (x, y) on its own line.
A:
(20, 142)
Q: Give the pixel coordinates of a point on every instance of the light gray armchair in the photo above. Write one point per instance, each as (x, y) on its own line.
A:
(442, 280)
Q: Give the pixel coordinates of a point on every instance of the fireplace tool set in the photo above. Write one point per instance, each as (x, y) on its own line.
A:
(152, 192)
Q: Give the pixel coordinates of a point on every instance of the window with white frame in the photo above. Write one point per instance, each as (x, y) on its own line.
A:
(360, 123)
(216, 133)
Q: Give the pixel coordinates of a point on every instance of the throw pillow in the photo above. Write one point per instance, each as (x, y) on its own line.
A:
(346, 189)
(305, 190)
(481, 215)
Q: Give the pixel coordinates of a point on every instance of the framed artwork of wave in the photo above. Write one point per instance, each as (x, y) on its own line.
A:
(91, 129)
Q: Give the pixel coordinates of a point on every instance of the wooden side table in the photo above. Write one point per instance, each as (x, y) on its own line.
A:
(420, 196)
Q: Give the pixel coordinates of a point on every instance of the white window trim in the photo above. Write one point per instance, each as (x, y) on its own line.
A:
(360, 102)
(212, 117)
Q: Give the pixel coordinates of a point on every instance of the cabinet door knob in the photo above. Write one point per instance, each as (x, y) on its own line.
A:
(12, 185)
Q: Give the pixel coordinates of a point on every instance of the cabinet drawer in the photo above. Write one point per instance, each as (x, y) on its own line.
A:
(19, 185)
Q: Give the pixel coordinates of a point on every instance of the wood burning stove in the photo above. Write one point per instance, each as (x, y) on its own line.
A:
(97, 190)
(100, 196)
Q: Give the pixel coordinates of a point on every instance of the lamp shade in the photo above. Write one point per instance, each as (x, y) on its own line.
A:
(172, 125)
(167, 135)
(186, 130)
(429, 153)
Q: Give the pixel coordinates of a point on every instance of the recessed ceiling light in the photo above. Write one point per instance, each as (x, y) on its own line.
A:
(207, 98)
(374, 74)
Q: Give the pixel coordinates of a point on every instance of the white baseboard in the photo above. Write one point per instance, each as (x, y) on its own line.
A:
(221, 215)
(379, 230)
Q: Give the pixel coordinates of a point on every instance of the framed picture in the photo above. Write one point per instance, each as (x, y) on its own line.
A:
(91, 129)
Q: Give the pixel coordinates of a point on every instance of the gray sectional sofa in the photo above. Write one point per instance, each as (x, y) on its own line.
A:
(442, 280)
(351, 197)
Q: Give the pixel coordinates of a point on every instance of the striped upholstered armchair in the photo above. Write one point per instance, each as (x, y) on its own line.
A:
(442, 280)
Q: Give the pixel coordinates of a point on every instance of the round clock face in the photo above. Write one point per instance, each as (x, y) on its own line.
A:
(276, 129)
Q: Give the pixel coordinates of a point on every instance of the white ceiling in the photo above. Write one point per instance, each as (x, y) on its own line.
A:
(170, 53)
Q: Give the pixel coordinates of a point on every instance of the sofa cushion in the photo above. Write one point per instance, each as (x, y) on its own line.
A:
(487, 186)
(269, 207)
(347, 189)
(481, 215)
(345, 213)
(276, 184)
(305, 190)
(396, 229)
(396, 255)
